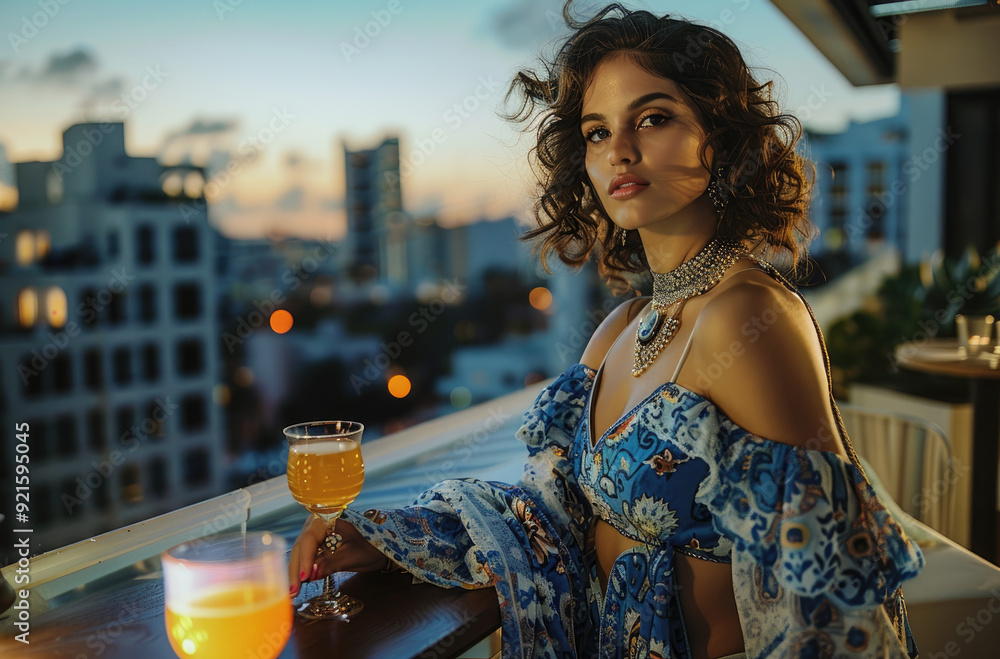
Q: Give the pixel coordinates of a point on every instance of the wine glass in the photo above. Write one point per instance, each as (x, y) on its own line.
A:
(226, 596)
(325, 474)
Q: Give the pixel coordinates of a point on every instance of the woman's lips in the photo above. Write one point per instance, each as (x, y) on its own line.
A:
(628, 190)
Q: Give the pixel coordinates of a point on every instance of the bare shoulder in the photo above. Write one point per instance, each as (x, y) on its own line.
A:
(750, 306)
(762, 363)
(609, 330)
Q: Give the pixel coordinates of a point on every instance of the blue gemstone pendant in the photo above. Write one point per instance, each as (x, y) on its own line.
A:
(650, 325)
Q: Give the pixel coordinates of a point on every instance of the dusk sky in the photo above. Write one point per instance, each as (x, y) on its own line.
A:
(201, 79)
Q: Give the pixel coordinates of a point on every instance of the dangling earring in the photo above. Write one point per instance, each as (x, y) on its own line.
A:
(718, 193)
(624, 235)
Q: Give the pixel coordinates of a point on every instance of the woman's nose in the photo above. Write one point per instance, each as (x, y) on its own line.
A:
(623, 149)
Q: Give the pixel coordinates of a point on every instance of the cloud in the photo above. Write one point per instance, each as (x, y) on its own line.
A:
(528, 23)
(203, 142)
(62, 66)
(206, 127)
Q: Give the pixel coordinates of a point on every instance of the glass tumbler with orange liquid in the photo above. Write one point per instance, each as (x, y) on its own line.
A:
(325, 474)
(226, 596)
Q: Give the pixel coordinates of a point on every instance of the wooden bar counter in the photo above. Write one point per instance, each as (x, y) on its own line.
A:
(400, 619)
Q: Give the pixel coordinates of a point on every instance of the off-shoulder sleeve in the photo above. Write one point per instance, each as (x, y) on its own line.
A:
(548, 429)
(522, 539)
(818, 560)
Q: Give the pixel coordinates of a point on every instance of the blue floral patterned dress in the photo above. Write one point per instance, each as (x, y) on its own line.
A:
(817, 560)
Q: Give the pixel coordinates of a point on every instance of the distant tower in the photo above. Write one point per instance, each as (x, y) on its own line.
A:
(376, 225)
(108, 338)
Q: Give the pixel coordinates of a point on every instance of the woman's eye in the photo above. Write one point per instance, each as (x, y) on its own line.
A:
(653, 120)
(597, 134)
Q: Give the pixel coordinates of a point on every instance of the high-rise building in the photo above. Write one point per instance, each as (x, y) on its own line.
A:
(376, 225)
(871, 187)
(108, 339)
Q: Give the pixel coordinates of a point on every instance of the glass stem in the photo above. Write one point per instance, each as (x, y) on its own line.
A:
(330, 591)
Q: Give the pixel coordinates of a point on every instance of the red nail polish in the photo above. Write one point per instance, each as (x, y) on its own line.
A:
(302, 575)
(292, 590)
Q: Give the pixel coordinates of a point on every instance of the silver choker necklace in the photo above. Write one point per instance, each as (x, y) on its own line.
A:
(695, 276)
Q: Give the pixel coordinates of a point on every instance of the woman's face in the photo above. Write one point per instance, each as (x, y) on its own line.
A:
(642, 147)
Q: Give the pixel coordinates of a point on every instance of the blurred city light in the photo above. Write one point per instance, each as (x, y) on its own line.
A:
(243, 376)
(281, 321)
(461, 397)
(540, 298)
(55, 306)
(399, 386)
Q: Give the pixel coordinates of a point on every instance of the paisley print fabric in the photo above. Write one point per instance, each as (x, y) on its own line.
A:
(817, 560)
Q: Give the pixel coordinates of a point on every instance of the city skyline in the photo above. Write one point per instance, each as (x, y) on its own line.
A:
(267, 97)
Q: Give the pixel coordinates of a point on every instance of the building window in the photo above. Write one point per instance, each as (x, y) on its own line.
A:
(155, 417)
(839, 196)
(194, 414)
(27, 307)
(55, 306)
(24, 248)
(147, 303)
(876, 177)
(88, 307)
(185, 244)
(197, 467)
(116, 308)
(69, 497)
(125, 419)
(62, 368)
(131, 484)
(97, 433)
(66, 436)
(32, 378)
(43, 244)
(159, 477)
(41, 505)
(122, 358)
(187, 301)
(145, 249)
(113, 244)
(102, 496)
(54, 187)
(93, 371)
(190, 357)
(150, 362)
(39, 440)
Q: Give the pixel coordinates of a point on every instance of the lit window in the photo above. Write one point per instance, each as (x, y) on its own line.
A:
(42, 244)
(25, 248)
(55, 306)
(27, 307)
(54, 188)
(173, 184)
(194, 185)
(131, 484)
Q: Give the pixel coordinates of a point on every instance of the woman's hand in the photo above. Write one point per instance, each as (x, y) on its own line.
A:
(355, 554)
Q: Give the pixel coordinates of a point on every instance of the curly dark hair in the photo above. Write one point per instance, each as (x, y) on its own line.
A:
(767, 184)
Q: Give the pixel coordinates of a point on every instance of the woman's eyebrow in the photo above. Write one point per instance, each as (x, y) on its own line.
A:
(639, 102)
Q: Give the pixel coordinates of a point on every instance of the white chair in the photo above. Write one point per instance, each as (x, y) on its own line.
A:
(912, 457)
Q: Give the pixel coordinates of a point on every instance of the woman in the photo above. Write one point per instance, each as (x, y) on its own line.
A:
(690, 491)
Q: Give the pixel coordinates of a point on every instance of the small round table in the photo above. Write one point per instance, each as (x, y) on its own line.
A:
(945, 357)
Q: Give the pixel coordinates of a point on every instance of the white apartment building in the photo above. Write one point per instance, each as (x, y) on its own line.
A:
(108, 338)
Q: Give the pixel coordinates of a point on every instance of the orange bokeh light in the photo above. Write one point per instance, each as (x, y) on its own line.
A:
(540, 298)
(281, 321)
(399, 386)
